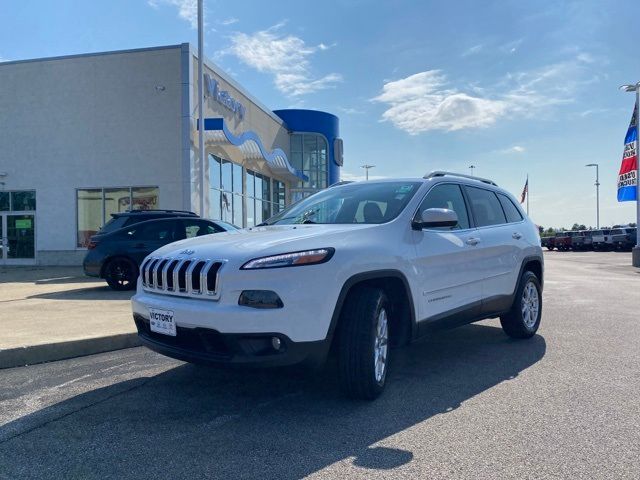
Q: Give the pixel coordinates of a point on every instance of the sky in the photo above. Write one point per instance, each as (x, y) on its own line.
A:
(514, 88)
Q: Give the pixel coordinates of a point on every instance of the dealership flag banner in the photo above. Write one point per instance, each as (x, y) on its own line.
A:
(628, 176)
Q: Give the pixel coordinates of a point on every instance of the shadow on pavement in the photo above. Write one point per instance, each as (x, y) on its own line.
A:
(89, 293)
(197, 422)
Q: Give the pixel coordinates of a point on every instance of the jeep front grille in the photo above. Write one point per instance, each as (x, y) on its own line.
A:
(188, 277)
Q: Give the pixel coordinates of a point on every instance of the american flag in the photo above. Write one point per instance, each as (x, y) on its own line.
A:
(525, 191)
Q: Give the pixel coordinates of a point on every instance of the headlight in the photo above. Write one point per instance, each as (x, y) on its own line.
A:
(293, 259)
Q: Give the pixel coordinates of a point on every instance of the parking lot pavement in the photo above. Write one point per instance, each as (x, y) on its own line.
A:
(57, 312)
(467, 403)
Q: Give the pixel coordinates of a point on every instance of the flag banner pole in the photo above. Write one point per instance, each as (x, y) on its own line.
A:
(527, 194)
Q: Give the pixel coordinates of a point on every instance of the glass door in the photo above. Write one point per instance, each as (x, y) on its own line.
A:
(17, 232)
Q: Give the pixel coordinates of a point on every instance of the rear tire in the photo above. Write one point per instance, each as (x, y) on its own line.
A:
(121, 274)
(523, 319)
(363, 343)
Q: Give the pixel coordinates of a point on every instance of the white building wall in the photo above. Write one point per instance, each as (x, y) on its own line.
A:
(105, 120)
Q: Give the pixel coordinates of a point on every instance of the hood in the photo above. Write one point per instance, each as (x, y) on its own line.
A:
(268, 240)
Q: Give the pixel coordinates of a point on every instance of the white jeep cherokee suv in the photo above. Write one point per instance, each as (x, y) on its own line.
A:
(358, 267)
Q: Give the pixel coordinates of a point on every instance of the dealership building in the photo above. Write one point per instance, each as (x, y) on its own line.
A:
(85, 136)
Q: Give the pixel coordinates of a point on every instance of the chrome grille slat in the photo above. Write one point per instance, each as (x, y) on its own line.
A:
(187, 272)
(189, 279)
(204, 288)
(165, 269)
(176, 278)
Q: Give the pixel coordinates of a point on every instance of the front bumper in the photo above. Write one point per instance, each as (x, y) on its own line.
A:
(208, 346)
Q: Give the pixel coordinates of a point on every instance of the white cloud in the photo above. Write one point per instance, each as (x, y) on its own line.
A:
(473, 50)
(286, 57)
(229, 21)
(187, 9)
(425, 101)
(421, 102)
(514, 149)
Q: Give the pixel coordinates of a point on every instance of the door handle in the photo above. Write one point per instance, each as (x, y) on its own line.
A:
(473, 241)
(517, 235)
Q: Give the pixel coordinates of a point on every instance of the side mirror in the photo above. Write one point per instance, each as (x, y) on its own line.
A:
(435, 217)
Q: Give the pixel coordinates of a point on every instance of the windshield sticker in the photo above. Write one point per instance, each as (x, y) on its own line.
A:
(404, 189)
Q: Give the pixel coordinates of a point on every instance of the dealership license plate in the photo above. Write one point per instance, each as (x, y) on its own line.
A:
(162, 321)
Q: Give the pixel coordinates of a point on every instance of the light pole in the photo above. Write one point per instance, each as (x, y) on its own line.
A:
(597, 193)
(201, 104)
(366, 169)
(635, 256)
(472, 168)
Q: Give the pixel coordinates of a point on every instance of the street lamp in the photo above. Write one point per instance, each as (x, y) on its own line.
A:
(635, 256)
(597, 193)
(366, 169)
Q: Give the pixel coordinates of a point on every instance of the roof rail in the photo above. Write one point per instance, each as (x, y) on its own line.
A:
(159, 210)
(442, 173)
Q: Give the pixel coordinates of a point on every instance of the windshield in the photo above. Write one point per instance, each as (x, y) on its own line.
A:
(367, 203)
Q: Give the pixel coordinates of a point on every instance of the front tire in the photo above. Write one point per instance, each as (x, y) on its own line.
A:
(121, 274)
(523, 320)
(363, 343)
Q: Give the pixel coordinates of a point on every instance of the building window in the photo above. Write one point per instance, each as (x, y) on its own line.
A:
(243, 205)
(225, 191)
(279, 196)
(19, 201)
(260, 204)
(95, 206)
(309, 155)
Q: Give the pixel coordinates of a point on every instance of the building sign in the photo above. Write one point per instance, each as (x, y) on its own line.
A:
(23, 224)
(222, 97)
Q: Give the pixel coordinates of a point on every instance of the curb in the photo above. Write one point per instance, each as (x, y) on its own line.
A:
(49, 352)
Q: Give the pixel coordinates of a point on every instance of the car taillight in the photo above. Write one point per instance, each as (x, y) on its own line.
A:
(92, 245)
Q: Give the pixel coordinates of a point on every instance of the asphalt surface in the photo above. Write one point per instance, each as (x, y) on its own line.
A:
(467, 403)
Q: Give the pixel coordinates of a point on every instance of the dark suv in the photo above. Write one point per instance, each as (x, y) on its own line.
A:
(125, 219)
(116, 254)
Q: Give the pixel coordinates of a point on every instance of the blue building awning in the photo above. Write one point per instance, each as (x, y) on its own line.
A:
(249, 142)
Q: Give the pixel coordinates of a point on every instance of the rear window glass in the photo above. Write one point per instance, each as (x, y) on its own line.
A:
(616, 232)
(510, 210)
(114, 224)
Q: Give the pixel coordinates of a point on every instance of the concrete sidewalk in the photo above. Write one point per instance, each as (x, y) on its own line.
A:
(51, 313)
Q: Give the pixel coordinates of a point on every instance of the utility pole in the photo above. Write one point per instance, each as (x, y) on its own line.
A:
(472, 168)
(366, 169)
(201, 104)
(597, 193)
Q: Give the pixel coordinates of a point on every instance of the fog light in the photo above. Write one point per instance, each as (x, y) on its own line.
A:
(260, 299)
(276, 343)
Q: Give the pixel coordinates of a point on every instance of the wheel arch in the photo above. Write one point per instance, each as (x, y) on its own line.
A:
(396, 286)
(535, 264)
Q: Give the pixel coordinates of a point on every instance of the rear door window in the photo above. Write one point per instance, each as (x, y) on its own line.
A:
(196, 228)
(154, 231)
(486, 207)
(510, 210)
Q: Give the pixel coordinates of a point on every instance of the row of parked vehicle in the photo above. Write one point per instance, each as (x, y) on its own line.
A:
(622, 238)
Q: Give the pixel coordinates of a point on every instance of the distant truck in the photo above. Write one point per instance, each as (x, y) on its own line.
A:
(624, 238)
(601, 239)
(548, 242)
(563, 240)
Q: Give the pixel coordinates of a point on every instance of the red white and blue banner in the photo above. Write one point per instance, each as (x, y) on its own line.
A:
(628, 176)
